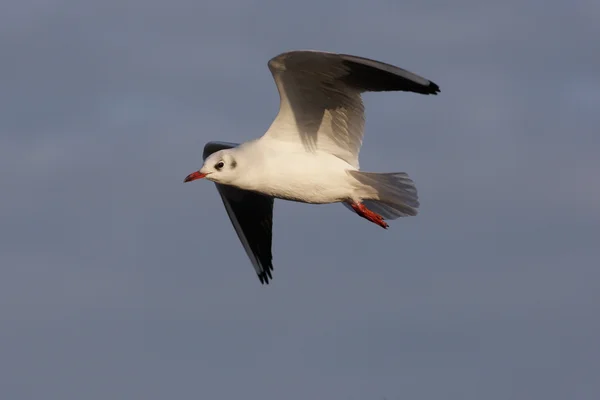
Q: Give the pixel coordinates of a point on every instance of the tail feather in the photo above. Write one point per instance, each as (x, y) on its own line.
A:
(392, 195)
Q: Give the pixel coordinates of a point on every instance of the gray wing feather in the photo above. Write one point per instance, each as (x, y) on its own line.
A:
(320, 98)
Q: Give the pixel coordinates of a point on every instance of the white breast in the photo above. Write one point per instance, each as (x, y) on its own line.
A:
(287, 173)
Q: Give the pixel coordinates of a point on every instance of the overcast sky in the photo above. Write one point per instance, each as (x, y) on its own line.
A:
(117, 281)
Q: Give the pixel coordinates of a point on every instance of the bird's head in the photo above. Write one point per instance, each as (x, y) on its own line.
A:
(219, 167)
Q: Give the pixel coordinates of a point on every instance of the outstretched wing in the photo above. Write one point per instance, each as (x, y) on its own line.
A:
(320, 102)
(252, 217)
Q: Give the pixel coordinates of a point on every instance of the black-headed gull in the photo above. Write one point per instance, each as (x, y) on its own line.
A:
(310, 152)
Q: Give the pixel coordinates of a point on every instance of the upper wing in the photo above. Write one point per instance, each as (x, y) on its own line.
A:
(320, 103)
(252, 217)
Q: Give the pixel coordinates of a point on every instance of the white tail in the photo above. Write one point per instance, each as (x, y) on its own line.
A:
(391, 195)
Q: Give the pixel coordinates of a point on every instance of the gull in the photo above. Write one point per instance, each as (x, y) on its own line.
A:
(309, 154)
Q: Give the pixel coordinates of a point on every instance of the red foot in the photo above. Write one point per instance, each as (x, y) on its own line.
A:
(368, 214)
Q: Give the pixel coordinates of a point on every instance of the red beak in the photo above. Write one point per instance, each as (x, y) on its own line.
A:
(193, 176)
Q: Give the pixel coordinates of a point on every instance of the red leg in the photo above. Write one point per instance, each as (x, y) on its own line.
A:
(368, 214)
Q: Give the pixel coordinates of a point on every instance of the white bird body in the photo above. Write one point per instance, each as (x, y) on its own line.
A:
(280, 169)
(310, 152)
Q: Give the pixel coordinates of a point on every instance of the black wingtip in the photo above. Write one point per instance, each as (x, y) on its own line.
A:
(266, 275)
(263, 278)
(432, 88)
(375, 76)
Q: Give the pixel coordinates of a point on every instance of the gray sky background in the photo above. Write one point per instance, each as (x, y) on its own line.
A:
(117, 281)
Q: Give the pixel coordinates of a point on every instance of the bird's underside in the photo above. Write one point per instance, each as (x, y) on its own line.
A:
(321, 110)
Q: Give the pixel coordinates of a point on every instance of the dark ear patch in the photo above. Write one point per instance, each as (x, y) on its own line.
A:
(233, 164)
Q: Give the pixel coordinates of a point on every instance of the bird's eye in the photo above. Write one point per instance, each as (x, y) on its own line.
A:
(219, 165)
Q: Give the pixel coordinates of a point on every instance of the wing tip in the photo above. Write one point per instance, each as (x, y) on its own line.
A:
(433, 88)
(265, 275)
(376, 76)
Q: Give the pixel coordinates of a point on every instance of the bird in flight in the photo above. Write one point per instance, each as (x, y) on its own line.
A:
(309, 154)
